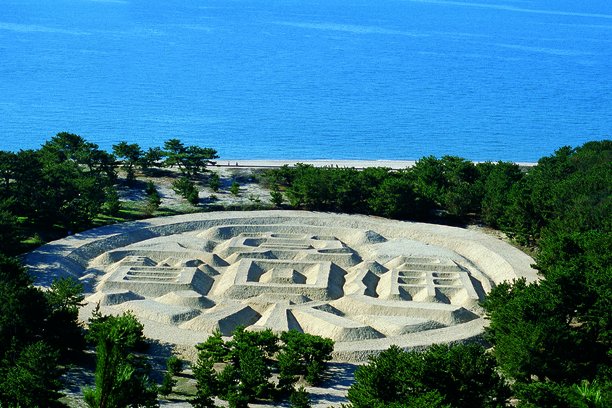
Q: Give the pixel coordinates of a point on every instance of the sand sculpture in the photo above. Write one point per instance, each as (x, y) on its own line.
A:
(365, 282)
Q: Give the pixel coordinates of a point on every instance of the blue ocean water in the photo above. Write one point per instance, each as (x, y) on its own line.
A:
(310, 79)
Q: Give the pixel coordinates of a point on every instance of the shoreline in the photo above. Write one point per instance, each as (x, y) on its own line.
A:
(357, 164)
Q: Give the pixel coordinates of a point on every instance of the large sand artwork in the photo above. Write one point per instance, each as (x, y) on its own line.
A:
(365, 282)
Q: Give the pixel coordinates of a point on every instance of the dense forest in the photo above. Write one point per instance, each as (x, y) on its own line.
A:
(550, 340)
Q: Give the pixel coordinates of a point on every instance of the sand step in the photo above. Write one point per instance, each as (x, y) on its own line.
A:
(336, 327)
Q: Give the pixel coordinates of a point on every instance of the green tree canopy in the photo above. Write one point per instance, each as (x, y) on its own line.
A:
(457, 376)
(131, 153)
(191, 160)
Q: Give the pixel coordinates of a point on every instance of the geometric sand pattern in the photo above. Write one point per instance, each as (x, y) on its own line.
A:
(365, 283)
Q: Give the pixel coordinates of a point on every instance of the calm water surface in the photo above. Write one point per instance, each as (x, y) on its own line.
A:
(377, 79)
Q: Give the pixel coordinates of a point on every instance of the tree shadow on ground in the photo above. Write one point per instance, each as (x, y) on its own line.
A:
(340, 377)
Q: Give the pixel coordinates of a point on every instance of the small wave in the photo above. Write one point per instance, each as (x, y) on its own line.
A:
(507, 7)
(545, 50)
(33, 28)
(349, 28)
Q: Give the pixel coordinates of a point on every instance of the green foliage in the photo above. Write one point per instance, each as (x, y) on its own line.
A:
(187, 189)
(248, 360)
(29, 324)
(111, 205)
(23, 308)
(568, 191)
(62, 183)
(131, 154)
(214, 349)
(299, 399)
(497, 186)
(254, 373)
(10, 232)
(450, 182)
(324, 188)
(553, 338)
(191, 160)
(214, 182)
(304, 354)
(174, 366)
(33, 381)
(7, 172)
(555, 395)
(64, 331)
(153, 198)
(151, 158)
(122, 378)
(536, 328)
(277, 196)
(207, 384)
(457, 376)
(235, 188)
(395, 198)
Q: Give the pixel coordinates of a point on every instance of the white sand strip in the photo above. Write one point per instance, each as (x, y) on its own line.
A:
(358, 164)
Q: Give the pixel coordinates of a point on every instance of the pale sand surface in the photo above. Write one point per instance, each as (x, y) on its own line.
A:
(358, 164)
(366, 282)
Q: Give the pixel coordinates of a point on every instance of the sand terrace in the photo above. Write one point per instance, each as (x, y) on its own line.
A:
(365, 282)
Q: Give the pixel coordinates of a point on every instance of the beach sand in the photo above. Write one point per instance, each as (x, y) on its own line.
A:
(358, 164)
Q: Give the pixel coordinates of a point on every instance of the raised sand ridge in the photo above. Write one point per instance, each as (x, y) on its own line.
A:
(365, 282)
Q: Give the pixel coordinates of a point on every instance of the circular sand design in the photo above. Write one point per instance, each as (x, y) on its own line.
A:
(365, 282)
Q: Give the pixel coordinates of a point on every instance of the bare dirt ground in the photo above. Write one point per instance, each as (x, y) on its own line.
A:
(251, 191)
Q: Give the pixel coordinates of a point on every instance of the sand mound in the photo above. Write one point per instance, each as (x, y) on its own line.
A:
(364, 282)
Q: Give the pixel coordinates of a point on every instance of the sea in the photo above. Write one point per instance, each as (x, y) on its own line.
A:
(493, 80)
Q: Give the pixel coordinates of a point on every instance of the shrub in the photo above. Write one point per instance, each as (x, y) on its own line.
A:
(186, 189)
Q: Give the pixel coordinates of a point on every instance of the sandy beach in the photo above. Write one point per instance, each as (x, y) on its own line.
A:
(358, 164)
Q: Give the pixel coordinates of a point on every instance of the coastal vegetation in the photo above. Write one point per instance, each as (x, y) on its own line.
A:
(551, 340)
(244, 366)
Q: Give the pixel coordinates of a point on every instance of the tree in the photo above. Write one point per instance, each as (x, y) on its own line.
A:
(555, 395)
(63, 329)
(191, 160)
(536, 328)
(29, 372)
(570, 190)
(497, 186)
(122, 378)
(111, 205)
(277, 196)
(7, 169)
(451, 182)
(151, 158)
(395, 198)
(248, 360)
(173, 367)
(68, 147)
(62, 183)
(214, 182)
(305, 354)
(131, 154)
(23, 308)
(206, 383)
(10, 231)
(187, 189)
(457, 376)
(299, 399)
(33, 381)
(153, 198)
(235, 188)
